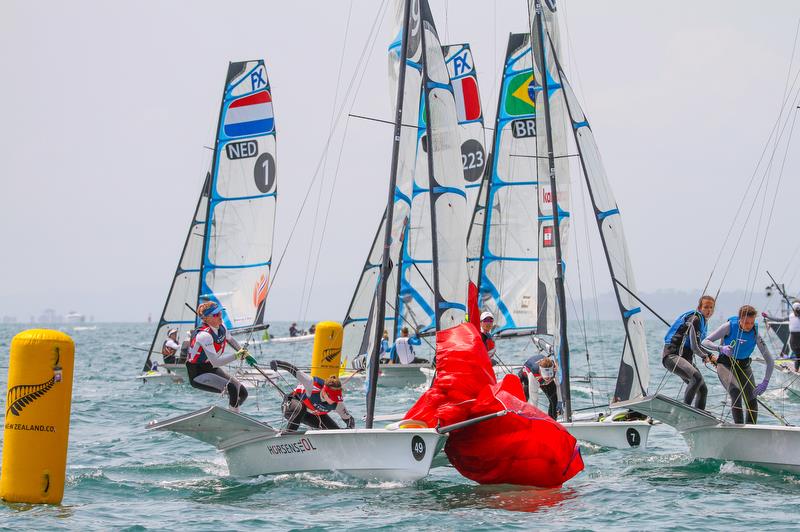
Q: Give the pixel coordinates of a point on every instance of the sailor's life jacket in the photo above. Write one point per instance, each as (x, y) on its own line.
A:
(743, 343)
(679, 323)
(196, 354)
(312, 401)
(166, 350)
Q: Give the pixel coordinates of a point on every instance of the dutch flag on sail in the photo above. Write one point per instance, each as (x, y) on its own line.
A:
(250, 115)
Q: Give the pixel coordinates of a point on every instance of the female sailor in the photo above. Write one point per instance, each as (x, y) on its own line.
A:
(682, 342)
(794, 332)
(205, 360)
(738, 339)
(312, 400)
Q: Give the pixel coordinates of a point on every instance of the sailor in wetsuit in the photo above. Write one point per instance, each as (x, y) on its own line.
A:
(738, 339)
(205, 359)
(487, 322)
(794, 332)
(170, 346)
(312, 400)
(539, 373)
(682, 342)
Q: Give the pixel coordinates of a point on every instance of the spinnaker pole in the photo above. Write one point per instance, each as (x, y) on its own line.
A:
(561, 299)
(380, 294)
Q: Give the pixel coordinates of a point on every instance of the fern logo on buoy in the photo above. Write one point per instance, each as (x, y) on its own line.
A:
(22, 395)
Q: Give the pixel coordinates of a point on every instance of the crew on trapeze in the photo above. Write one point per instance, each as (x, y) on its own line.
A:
(794, 332)
(170, 346)
(682, 342)
(738, 338)
(403, 349)
(312, 400)
(487, 323)
(206, 358)
(539, 373)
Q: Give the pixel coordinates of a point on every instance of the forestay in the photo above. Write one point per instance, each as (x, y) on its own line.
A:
(185, 282)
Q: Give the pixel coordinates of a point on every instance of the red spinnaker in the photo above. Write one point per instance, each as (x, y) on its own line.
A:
(523, 447)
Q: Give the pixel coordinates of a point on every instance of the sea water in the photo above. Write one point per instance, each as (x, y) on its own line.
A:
(122, 476)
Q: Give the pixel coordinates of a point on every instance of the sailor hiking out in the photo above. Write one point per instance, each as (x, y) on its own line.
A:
(794, 332)
(539, 373)
(312, 400)
(682, 342)
(738, 338)
(206, 357)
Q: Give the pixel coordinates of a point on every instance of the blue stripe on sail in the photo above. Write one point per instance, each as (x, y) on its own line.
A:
(254, 127)
(515, 259)
(219, 199)
(174, 322)
(444, 305)
(488, 287)
(351, 320)
(414, 65)
(602, 215)
(631, 312)
(577, 125)
(190, 270)
(449, 190)
(399, 196)
(443, 86)
(239, 266)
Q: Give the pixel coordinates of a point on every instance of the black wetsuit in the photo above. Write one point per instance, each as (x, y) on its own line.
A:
(679, 359)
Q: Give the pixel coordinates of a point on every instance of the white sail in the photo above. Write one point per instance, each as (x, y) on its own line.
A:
(238, 247)
(634, 373)
(464, 79)
(547, 305)
(503, 238)
(183, 291)
(359, 331)
(448, 199)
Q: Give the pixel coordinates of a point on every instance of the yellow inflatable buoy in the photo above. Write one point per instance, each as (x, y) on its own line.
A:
(327, 351)
(38, 401)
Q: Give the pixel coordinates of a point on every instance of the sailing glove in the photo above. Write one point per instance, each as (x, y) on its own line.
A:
(725, 350)
(761, 388)
(275, 365)
(242, 353)
(350, 422)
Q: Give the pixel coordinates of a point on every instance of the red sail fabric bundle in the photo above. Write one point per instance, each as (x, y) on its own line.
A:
(524, 447)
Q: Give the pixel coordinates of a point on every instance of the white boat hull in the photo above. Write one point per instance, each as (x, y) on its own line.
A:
(612, 434)
(252, 448)
(177, 374)
(787, 379)
(769, 446)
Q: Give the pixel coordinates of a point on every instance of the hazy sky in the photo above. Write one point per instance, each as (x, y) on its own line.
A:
(107, 107)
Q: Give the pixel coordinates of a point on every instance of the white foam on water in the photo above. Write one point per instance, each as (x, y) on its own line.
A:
(732, 468)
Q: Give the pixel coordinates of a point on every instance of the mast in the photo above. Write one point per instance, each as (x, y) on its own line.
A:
(559, 276)
(380, 295)
(207, 232)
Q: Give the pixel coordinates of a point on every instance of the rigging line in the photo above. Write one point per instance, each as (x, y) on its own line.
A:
(747, 190)
(382, 121)
(367, 45)
(753, 272)
(394, 310)
(791, 60)
(656, 314)
(774, 197)
(307, 300)
(541, 157)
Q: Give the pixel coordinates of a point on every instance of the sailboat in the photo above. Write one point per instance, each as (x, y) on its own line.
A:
(521, 223)
(227, 253)
(402, 452)
(409, 298)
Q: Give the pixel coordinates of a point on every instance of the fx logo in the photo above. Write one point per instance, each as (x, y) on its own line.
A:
(461, 64)
(257, 79)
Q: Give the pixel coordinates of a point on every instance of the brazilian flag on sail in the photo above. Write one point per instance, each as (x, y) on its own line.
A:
(518, 91)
